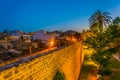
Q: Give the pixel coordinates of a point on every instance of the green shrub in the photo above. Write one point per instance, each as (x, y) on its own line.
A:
(105, 72)
(59, 76)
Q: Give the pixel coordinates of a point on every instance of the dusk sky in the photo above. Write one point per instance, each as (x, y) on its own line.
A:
(33, 15)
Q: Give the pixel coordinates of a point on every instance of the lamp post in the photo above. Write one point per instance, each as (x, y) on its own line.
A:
(30, 48)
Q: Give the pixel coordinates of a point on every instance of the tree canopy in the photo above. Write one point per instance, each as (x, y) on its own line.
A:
(99, 20)
(106, 39)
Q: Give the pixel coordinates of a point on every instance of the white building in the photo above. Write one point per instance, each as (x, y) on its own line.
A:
(5, 44)
(43, 36)
(26, 38)
(15, 35)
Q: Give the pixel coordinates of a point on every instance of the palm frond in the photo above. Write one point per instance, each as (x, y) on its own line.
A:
(101, 19)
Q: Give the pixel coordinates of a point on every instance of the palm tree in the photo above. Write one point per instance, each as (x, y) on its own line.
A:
(5, 34)
(116, 21)
(99, 20)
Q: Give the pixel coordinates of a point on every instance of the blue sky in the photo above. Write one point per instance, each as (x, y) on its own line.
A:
(32, 15)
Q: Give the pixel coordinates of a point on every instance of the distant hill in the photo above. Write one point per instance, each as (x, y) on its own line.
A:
(69, 32)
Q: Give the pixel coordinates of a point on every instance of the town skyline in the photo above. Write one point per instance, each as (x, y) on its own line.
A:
(52, 15)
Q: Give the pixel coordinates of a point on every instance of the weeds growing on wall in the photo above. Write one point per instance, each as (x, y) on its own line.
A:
(59, 76)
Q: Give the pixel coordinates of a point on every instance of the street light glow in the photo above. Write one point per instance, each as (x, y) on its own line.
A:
(51, 42)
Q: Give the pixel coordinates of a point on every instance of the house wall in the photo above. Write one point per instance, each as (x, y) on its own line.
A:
(6, 45)
(14, 38)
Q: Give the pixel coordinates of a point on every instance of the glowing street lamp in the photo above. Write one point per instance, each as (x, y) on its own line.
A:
(51, 43)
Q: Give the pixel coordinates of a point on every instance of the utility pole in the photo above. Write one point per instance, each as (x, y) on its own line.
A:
(30, 49)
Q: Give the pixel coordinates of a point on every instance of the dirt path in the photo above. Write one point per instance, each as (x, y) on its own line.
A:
(116, 56)
(115, 70)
